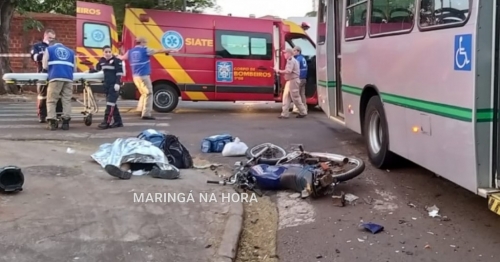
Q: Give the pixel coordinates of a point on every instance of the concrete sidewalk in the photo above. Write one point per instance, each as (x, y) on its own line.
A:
(71, 210)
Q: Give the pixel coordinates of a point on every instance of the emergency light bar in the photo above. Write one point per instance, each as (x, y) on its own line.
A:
(41, 78)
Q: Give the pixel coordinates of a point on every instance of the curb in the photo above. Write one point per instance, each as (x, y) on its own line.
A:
(232, 232)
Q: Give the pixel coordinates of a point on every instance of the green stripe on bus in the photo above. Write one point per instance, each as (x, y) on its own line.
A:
(449, 111)
(484, 115)
(326, 83)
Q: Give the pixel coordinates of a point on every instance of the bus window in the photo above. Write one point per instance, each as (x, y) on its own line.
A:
(322, 16)
(96, 35)
(391, 16)
(438, 12)
(355, 15)
(308, 50)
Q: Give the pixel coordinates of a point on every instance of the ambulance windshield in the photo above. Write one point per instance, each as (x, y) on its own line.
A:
(306, 45)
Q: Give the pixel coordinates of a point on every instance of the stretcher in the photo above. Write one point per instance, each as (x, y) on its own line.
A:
(89, 102)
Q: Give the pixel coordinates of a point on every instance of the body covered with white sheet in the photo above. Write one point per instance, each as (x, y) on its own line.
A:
(132, 150)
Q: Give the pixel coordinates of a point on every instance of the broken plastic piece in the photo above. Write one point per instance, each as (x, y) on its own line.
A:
(373, 228)
(433, 211)
(350, 198)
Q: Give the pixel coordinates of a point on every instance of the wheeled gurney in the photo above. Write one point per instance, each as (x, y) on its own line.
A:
(86, 79)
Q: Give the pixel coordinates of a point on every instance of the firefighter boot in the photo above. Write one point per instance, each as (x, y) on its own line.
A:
(52, 124)
(107, 118)
(117, 119)
(65, 124)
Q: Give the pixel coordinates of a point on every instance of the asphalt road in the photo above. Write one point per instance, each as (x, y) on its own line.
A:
(317, 230)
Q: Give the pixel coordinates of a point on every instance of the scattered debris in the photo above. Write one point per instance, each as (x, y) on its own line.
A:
(411, 205)
(414, 218)
(430, 233)
(409, 253)
(373, 228)
(427, 247)
(339, 200)
(401, 221)
(208, 246)
(337, 251)
(433, 211)
(368, 200)
(445, 218)
(319, 256)
(453, 246)
(70, 150)
(295, 195)
(211, 166)
(361, 240)
(350, 198)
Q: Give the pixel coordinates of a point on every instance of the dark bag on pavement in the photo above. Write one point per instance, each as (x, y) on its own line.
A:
(177, 154)
(173, 149)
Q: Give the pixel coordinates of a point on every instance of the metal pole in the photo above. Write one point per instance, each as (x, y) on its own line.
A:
(184, 6)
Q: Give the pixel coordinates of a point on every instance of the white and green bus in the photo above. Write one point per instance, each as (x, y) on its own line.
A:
(418, 79)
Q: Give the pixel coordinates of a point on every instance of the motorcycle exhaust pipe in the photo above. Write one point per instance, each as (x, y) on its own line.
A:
(11, 179)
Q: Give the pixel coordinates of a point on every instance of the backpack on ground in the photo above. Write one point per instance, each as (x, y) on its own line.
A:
(177, 155)
(216, 143)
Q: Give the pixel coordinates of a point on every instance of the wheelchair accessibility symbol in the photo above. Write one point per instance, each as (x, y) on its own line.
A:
(463, 52)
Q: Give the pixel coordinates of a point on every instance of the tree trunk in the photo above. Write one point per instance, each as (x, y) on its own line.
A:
(6, 13)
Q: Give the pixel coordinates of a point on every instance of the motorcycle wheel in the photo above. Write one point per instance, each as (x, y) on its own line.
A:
(358, 165)
(271, 157)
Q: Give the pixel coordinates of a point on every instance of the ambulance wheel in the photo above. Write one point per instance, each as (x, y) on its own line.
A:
(88, 120)
(165, 98)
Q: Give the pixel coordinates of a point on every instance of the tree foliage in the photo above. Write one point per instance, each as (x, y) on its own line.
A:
(312, 14)
(7, 10)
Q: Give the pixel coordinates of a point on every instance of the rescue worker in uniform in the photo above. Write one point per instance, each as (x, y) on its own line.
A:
(113, 71)
(59, 61)
(37, 56)
(292, 73)
(297, 51)
(139, 58)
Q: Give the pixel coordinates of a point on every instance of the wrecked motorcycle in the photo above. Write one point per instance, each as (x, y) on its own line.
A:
(310, 173)
(242, 179)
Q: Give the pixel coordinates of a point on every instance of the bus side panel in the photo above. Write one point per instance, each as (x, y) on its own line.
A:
(420, 89)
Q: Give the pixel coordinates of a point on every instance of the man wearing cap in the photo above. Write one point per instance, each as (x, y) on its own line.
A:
(292, 73)
(139, 58)
(297, 51)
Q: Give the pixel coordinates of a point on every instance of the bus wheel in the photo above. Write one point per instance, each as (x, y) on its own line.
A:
(376, 134)
(165, 98)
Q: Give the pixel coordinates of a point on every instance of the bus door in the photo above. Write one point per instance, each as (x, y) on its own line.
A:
(336, 27)
(244, 62)
(328, 59)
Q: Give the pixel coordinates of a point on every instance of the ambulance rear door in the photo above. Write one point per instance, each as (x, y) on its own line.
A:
(244, 59)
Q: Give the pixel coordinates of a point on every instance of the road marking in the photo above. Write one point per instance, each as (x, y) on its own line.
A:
(126, 118)
(71, 134)
(145, 124)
